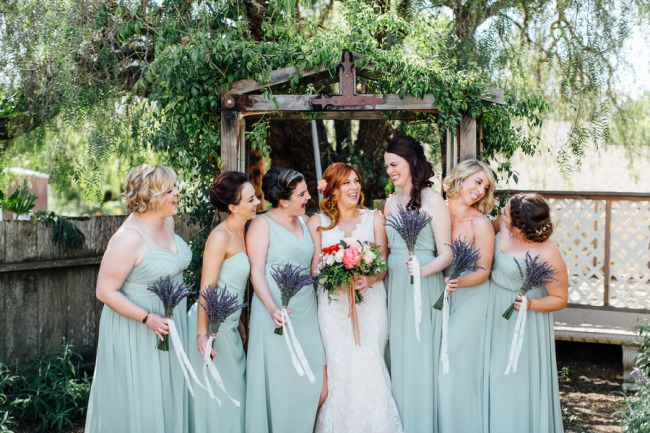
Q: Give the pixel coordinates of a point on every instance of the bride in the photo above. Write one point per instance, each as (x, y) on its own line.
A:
(359, 395)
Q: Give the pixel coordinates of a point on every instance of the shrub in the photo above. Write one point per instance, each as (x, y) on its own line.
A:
(636, 417)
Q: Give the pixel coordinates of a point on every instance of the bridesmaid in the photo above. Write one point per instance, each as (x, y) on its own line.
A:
(225, 264)
(136, 387)
(528, 399)
(277, 399)
(413, 364)
(470, 192)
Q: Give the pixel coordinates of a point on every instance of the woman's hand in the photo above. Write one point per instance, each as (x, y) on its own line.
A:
(518, 302)
(362, 282)
(158, 324)
(451, 285)
(277, 317)
(201, 340)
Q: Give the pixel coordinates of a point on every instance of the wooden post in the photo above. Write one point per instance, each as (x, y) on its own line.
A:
(231, 132)
(467, 138)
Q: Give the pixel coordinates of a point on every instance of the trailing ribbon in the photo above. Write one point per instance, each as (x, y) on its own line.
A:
(417, 294)
(353, 314)
(517, 338)
(209, 365)
(183, 361)
(444, 350)
(298, 356)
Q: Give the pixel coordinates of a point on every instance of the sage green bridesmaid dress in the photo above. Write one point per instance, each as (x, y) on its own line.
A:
(413, 364)
(206, 415)
(277, 399)
(528, 400)
(460, 391)
(137, 388)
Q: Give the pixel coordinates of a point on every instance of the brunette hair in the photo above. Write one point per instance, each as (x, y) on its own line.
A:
(145, 187)
(335, 175)
(226, 189)
(278, 184)
(453, 183)
(421, 169)
(531, 214)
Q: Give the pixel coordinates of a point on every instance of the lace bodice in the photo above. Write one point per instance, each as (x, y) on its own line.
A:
(363, 231)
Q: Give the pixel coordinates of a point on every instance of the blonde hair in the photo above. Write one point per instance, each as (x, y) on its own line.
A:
(453, 183)
(145, 187)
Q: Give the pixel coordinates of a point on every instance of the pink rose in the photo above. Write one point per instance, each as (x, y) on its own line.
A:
(351, 258)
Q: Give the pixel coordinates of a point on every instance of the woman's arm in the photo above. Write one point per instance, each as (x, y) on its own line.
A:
(124, 251)
(257, 246)
(434, 205)
(214, 254)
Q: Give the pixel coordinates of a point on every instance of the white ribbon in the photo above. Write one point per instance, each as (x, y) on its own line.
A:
(417, 294)
(444, 350)
(183, 361)
(209, 365)
(517, 338)
(298, 358)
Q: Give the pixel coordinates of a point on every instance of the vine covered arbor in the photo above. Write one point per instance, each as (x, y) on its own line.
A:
(248, 99)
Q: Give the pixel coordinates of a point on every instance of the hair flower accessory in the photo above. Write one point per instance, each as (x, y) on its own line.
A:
(322, 185)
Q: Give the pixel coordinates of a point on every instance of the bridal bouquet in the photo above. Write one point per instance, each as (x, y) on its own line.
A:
(341, 262)
(171, 294)
(290, 279)
(537, 274)
(219, 305)
(464, 258)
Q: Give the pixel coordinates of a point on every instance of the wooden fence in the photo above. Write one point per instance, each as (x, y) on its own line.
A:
(47, 293)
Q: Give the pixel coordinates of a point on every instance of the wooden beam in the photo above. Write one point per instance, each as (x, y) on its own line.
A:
(278, 76)
(344, 115)
(280, 103)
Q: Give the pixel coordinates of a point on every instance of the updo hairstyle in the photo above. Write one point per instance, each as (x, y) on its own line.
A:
(421, 169)
(226, 190)
(278, 184)
(335, 175)
(531, 214)
(145, 187)
(453, 183)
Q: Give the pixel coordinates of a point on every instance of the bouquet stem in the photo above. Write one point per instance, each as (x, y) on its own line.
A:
(278, 331)
(439, 302)
(508, 313)
(411, 254)
(164, 343)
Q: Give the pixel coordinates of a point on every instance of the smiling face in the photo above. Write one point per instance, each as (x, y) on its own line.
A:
(348, 193)
(297, 203)
(248, 201)
(474, 187)
(169, 206)
(398, 169)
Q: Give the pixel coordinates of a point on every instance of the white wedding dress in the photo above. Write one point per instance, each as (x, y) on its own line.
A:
(359, 393)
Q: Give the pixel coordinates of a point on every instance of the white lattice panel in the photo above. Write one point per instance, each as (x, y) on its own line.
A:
(630, 254)
(580, 236)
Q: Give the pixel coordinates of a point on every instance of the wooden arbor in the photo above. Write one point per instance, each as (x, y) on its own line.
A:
(239, 103)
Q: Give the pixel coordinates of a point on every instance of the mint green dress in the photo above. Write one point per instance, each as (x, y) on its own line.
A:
(528, 400)
(460, 391)
(206, 415)
(137, 388)
(413, 364)
(277, 399)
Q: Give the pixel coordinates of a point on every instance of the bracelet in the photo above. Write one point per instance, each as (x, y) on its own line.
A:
(145, 318)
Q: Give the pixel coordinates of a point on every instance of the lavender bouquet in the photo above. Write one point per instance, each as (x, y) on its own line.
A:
(290, 280)
(408, 223)
(464, 258)
(537, 274)
(171, 294)
(219, 305)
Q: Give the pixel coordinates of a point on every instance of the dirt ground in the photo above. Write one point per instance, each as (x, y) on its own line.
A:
(590, 386)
